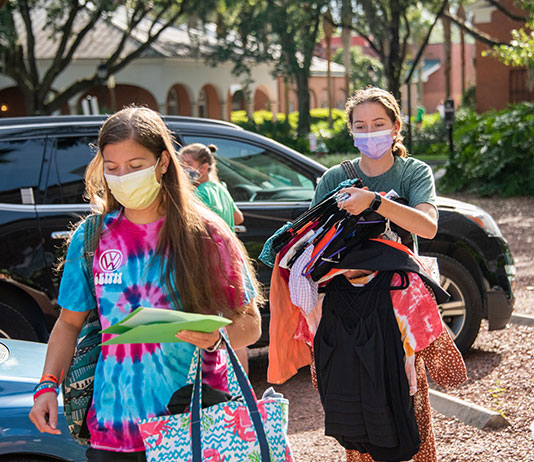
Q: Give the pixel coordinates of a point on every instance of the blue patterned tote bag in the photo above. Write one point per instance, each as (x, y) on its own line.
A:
(242, 430)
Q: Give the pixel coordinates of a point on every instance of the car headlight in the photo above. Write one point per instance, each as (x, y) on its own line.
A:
(484, 220)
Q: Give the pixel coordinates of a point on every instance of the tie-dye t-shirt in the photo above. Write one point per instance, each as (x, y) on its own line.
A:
(132, 381)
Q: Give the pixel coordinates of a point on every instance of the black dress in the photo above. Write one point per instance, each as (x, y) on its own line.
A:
(359, 361)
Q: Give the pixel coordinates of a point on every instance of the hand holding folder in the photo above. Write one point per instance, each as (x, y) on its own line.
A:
(156, 325)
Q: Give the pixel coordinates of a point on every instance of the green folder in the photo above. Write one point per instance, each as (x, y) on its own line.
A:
(156, 325)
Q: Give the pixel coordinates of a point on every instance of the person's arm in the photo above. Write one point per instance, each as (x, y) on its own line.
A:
(244, 330)
(58, 358)
(238, 216)
(421, 219)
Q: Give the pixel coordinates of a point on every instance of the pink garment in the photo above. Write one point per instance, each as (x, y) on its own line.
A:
(418, 319)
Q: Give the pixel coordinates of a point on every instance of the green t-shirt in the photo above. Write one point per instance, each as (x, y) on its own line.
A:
(218, 199)
(410, 178)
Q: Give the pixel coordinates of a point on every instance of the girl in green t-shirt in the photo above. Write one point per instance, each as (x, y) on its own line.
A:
(199, 162)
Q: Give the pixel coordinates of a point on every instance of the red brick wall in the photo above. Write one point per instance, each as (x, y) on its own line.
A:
(434, 88)
(493, 77)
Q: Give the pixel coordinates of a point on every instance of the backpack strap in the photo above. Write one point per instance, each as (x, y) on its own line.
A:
(350, 169)
(90, 241)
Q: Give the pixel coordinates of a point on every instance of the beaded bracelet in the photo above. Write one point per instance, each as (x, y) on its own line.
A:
(44, 384)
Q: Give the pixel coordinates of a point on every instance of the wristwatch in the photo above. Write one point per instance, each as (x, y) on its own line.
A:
(377, 201)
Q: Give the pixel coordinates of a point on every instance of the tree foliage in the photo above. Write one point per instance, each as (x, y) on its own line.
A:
(282, 32)
(387, 27)
(68, 23)
(520, 51)
(365, 70)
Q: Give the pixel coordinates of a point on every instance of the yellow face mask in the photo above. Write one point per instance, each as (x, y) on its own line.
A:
(135, 190)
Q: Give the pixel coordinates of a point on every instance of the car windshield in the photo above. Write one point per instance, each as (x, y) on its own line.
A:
(253, 173)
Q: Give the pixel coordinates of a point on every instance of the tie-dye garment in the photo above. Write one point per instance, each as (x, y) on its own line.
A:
(417, 316)
(137, 380)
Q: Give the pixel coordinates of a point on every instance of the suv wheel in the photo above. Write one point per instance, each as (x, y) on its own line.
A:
(15, 325)
(462, 314)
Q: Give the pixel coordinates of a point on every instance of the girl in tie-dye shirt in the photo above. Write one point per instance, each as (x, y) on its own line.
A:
(158, 246)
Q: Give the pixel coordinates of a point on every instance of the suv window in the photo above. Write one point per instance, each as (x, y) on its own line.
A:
(66, 170)
(20, 161)
(253, 173)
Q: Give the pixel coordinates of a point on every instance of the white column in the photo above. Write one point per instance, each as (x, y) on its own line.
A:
(224, 110)
(274, 109)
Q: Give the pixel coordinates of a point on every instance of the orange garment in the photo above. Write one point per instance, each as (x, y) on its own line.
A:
(286, 354)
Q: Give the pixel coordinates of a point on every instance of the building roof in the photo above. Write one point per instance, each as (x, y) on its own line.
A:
(429, 67)
(101, 41)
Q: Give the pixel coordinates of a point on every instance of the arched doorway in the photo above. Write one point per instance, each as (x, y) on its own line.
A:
(238, 101)
(12, 103)
(208, 103)
(178, 101)
(261, 100)
(122, 95)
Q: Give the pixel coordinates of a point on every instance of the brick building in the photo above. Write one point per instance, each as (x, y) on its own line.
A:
(497, 85)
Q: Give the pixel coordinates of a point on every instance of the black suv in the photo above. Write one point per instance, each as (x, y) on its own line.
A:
(42, 163)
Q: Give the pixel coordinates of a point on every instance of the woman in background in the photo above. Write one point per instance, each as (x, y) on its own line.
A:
(199, 162)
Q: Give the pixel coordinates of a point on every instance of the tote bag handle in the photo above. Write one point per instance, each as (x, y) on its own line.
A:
(246, 390)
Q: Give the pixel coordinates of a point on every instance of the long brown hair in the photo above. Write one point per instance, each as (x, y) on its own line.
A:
(203, 155)
(389, 103)
(188, 238)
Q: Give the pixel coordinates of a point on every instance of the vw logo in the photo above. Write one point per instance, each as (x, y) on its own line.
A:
(110, 260)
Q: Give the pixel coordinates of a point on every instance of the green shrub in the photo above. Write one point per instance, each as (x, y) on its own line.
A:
(432, 139)
(281, 130)
(493, 153)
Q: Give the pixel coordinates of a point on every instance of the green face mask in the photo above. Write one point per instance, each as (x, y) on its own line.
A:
(135, 190)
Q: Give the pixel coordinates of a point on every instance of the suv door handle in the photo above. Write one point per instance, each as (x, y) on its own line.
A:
(60, 234)
(240, 229)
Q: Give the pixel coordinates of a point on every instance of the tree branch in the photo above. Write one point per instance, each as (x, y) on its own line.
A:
(30, 41)
(58, 63)
(139, 9)
(83, 84)
(474, 32)
(373, 45)
(507, 13)
(406, 36)
(425, 42)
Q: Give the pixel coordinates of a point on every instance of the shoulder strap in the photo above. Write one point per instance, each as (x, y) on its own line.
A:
(90, 241)
(350, 169)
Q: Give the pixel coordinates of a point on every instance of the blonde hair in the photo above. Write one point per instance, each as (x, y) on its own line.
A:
(187, 240)
(203, 155)
(388, 102)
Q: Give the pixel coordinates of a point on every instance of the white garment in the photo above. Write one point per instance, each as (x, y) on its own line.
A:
(289, 254)
(303, 291)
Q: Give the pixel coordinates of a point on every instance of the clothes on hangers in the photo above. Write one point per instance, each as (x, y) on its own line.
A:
(367, 404)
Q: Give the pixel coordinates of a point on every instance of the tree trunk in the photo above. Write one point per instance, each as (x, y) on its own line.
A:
(392, 55)
(447, 52)
(461, 15)
(346, 35)
(303, 94)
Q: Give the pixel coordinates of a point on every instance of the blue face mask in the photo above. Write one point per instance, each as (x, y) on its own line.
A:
(373, 144)
(193, 174)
